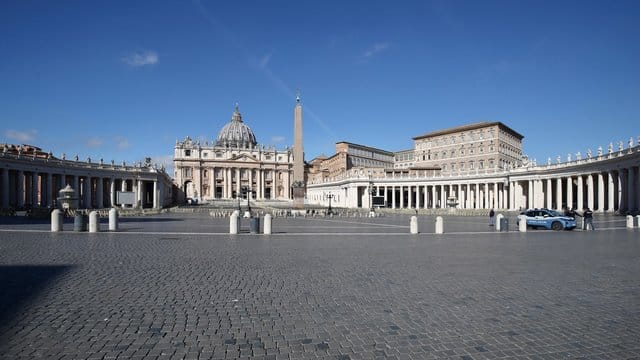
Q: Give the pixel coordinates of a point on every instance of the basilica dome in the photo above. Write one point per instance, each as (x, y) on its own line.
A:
(236, 133)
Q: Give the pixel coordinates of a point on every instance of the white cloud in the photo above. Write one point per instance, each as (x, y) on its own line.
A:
(376, 48)
(121, 142)
(277, 139)
(138, 59)
(264, 61)
(21, 136)
(94, 142)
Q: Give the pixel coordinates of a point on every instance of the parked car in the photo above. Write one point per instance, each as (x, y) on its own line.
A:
(548, 219)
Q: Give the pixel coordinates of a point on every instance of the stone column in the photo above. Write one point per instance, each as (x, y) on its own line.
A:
(88, 192)
(112, 192)
(631, 194)
(155, 195)
(426, 196)
(99, 193)
(238, 183)
(601, 206)
(549, 193)
(590, 190)
(48, 190)
(570, 192)
(134, 188)
(401, 197)
(20, 195)
(512, 196)
(5, 188)
(530, 194)
(250, 181)
(580, 193)
(34, 189)
(393, 197)
(620, 187)
(559, 194)
(123, 187)
(478, 197)
(487, 196)
(460, 197)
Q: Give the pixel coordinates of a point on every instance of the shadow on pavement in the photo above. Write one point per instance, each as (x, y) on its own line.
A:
(19, 284)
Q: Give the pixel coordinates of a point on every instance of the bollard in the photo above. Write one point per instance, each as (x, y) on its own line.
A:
(234, 223)
(267, 224)
(113, 219)
(629, 222)
(522, 224)
(94, 222)
(413, 225)
(638, 221)
(56, 220)
(439, 225)
(499, 222)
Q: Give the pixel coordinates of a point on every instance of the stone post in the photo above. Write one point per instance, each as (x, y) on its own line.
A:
(234, 224)
(413, 225)
(94, 222)
(522, 224)
(113, 219)
(499, 222)
(56, 220)
(267, 224)
(439, 225)
(629, 222)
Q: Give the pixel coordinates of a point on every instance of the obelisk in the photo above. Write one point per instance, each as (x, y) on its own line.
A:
(298, 184)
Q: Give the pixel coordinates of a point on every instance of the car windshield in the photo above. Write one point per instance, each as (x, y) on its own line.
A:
(554, 213)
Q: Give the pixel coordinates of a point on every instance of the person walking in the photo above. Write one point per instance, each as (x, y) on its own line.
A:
(587, 216)
(492, 218)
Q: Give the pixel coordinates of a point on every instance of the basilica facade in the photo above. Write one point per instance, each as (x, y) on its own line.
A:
(233, 166)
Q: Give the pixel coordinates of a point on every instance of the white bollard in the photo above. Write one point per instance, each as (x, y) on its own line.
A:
(56, 220)
(413, 225)
(267, 224)
(638, 221)
(522, 225)
(498, 218)
(234, 223)
(629, 221)
(94, 222)
(113, 219)
(439, 225)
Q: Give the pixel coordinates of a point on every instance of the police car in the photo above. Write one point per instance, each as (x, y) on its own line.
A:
(548, 219)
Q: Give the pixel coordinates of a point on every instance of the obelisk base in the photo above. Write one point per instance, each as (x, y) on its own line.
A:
(298, 198)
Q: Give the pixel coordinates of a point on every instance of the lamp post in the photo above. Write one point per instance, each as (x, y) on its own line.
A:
(246, 190)
(371, 208)
(330, 196)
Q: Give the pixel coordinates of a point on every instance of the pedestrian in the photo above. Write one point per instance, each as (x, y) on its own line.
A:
(492, 218)
(587, 215)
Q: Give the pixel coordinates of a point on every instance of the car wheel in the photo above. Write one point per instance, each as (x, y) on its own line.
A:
(556, 225)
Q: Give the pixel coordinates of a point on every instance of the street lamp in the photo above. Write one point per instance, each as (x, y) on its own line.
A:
(371, 208)
(247, 191)
(329, 196)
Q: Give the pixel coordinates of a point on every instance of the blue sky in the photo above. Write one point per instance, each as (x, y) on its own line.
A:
(124, 79)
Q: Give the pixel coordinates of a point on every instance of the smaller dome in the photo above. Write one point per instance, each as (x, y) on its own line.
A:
(236, 133)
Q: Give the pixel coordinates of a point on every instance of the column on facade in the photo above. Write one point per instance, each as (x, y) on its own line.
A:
(433, 196)
(238, 183)
(579, 193)
(156, 195)
(112, 191)
(460, 196)
(250, 182)
(530, 194)
(409, 197)
(425, 195)
(570, 192)
(5, 188)
(549, 193)
(393, 197)
(590, 192)
(485, 204)
(20, 195)
(33, 193)
(559, 194)
(99, 193)
(48, 190)
(87, 194)
(601, 206)
(123, 188)
(505, 196)
(631, 191)
(401, 197)
(478, 194)
(620, 187)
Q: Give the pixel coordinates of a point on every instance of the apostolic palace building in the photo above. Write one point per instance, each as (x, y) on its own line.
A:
(473, 166)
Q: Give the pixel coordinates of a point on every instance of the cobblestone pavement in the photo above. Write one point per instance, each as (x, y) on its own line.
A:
(176, 286)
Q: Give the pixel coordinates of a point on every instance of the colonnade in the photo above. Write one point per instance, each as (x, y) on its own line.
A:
(27, 182)
(229, 182)
(608, 183)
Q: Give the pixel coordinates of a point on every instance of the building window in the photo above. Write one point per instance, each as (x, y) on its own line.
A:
(187, 153)
(204, 155)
